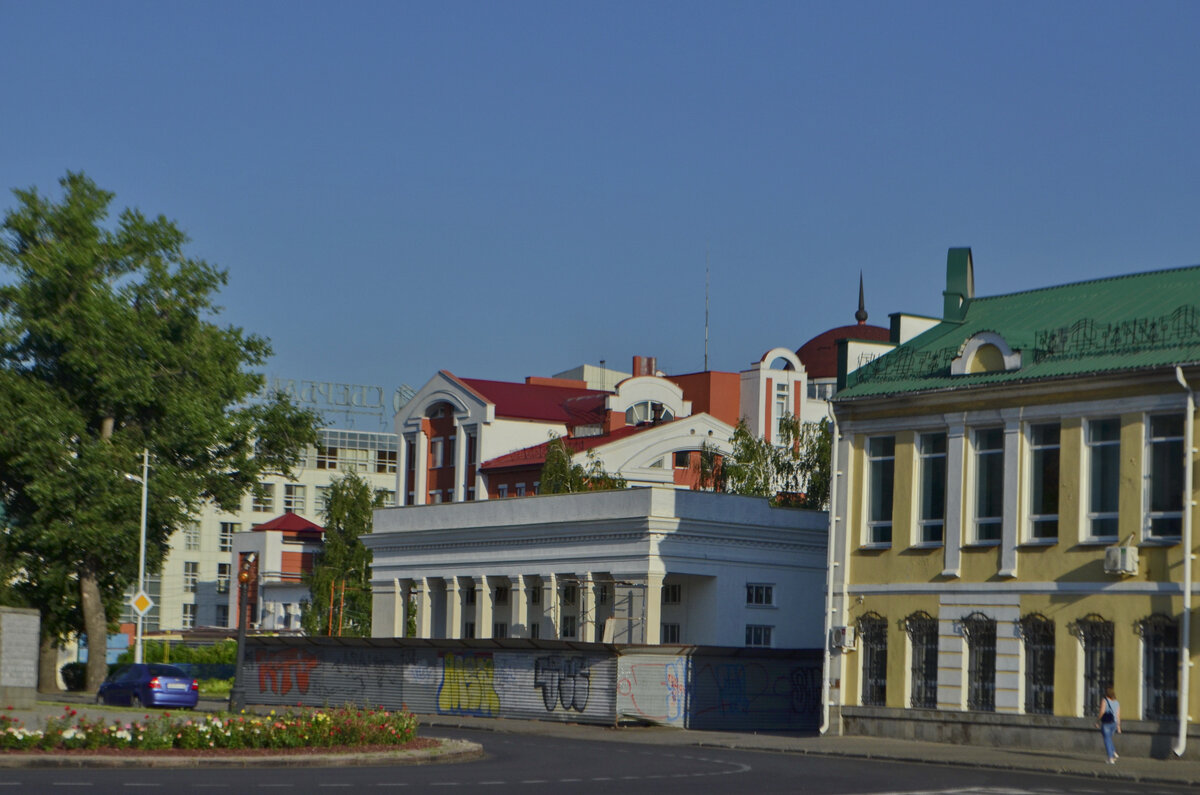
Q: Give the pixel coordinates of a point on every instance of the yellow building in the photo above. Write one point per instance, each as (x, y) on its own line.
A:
(1010, 531)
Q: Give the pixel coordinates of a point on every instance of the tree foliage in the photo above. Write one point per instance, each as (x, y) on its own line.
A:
(107, 346)
(794, 472)
(340, 581)
(562, 475)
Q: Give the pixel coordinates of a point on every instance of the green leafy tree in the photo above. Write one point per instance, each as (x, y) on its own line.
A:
(342, 569)
(794, 472)
(561, 474)
(108, 346)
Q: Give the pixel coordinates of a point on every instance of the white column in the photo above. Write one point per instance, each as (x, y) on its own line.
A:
(460, 462)
(480, 488)
(587, 609)
(1012, 485)
(402, 602)
(518, 626)
(424, 609)
(402, 470)
(484, 596)
(653, 609)
(956, 451)
(453, 608)
(550, 604)
(421, 469)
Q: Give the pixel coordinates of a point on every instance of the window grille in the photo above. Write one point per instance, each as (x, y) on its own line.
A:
(1160, 667)
(980, 632)
(923, 635)
(872, 633)
(1096, 635)
(1037, 635)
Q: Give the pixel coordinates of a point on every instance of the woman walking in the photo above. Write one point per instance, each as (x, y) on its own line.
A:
(1109, 721)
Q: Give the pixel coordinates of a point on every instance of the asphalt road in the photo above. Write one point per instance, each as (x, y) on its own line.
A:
(540, 765)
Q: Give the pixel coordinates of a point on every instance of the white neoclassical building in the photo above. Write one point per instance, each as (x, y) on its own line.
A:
(652, 565)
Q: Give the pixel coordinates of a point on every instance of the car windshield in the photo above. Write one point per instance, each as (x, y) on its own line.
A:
(166, 670)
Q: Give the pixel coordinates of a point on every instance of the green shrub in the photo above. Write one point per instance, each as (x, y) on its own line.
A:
(74, 675)
(215, 689)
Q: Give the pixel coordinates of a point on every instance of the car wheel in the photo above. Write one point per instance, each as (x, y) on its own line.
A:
(135, 701)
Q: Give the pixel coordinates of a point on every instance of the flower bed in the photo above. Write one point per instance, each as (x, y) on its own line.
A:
(336, 728)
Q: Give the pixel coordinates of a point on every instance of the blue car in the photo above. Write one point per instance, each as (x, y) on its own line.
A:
(149, 685)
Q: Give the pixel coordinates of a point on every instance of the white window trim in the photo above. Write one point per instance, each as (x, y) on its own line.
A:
(918, 528)
(1025, 497)
(868, 526)
(972, 487)
(1085, 481)
(1146, 539)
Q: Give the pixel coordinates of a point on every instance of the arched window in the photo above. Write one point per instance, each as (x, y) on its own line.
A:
(1096, 635)
(980, 632)
(1037, 636)
(922, 631)
(872, 633)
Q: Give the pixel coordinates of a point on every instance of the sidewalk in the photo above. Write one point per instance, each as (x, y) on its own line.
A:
(1142, 770)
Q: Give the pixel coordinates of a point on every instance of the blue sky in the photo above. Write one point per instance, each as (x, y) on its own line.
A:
(510, 189)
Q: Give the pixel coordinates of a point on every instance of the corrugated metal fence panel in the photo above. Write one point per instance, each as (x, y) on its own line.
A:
(652, 685)
(555, 682)
(747, 692)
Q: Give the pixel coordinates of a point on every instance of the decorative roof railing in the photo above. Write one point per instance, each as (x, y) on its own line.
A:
(1085, 337)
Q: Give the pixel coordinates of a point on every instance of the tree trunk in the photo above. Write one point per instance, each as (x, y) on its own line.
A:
(96, 625)
(48, 665)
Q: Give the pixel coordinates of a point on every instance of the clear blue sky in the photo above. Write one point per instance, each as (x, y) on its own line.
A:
(504, 189)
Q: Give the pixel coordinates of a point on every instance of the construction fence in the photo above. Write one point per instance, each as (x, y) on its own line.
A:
(694, 687)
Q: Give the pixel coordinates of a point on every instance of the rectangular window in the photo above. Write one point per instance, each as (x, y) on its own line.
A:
(989, 483)
(387, 497)
(435, 498)
(933, 487)
(520, 490)
(602, 596)
(471, 596)
(760, 594)
(1164, 476)
(568, 626)
(1160, 668)
(570, 594)
(501, 594)
(502, 490)
(1043, 481)
(669, 633)
(354, 460)
(222, 615)
(223, 570)
(981, 662)
(322, 500)
(672, 594)
(189, 616)
(923, 639)
(872, 634)
(227, 531)
(781, 408)
(293, 498)
(535, 595)
(499, 630)
(1104, 476)
(263, 500)
(682, 459)
(469, 630)
(535, 631)
(881, 471)
(1037, 636)
(435, 453)
(191, 575)
(449, 452)
(191, 535)
(759, 635)
(327, 457)
(385, 462)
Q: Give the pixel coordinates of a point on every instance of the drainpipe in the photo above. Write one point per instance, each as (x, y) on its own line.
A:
(1185, 636)
(829, 568)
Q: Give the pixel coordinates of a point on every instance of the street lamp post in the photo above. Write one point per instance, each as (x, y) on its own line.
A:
(145, 481)
(237, 695)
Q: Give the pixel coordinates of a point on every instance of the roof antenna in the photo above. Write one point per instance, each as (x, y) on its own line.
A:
(706, 306)
(861, 314)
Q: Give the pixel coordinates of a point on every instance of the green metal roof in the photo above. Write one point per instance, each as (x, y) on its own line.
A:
(1143, 320)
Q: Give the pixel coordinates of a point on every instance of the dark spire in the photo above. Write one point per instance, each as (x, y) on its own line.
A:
(861, 314)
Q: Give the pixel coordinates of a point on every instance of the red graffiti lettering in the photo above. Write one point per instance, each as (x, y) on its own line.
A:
(277, 670)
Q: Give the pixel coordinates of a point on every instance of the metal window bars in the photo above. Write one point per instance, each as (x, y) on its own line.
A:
(872, 633)
(922, 632)
(1096, 635)
(1037, 635)
(980, 632)
(1160, 667)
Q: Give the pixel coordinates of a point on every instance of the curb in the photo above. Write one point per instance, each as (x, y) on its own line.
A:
(449, 751)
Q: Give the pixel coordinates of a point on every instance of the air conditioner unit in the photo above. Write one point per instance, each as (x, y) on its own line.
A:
(842, 638)
(1121, 560)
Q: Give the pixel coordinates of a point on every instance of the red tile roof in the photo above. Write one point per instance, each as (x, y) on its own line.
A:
(567, 405)
(536, 455)
(290, 523)
(819, 355)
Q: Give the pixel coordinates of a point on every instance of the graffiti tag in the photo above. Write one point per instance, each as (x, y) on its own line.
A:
(278, 671)
(563, 680)
(467, 686)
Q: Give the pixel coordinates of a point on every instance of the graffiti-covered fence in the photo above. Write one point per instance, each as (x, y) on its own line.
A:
(692, 687)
